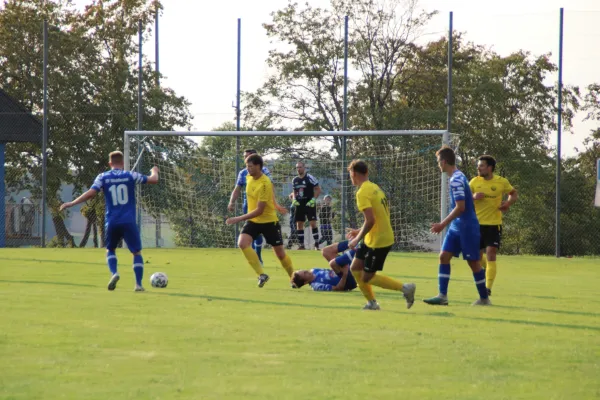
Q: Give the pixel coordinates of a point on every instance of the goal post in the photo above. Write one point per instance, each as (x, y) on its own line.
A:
(198, 173)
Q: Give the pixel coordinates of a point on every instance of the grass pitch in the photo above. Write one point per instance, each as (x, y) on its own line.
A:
(212, 334)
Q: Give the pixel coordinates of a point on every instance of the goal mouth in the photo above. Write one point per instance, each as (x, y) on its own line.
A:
(199, 170)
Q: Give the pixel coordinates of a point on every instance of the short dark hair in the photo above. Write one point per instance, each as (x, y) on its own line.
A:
(297, 281)
(251, 151)
(255, 159)
(358, 166)
(447, 154)
(490, 161)
(116, 157)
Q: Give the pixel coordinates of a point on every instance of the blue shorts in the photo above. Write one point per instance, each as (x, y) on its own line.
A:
(465, 242)
(347, 257)
(115, 232)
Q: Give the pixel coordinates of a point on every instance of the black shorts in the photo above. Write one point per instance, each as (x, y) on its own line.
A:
(373, 258)
(270, 230)
(303, 212)
(491, 236)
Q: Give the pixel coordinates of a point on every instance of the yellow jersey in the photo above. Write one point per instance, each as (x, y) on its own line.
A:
(261, 189)
(493, 189)
(369, 195)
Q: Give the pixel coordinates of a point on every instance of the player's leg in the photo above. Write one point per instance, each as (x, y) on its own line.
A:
(357, 269)
(312, 218)
(482, 246)
(374, 263)
(330, 252)
(450, 247)
(249, 232)
(492, 247)
(257, 245)
(300, 217)
(470, 249)
(133, 240)
(113, 236)
(329, 234)
(272, 232)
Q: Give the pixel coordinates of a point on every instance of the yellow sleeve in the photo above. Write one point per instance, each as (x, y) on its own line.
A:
(363, 201)
(472, 185)
(265, 192)
(507, 186)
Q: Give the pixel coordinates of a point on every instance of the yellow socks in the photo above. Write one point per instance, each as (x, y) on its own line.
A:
(490, 274)
(386, 282)
(253, 260)
(286, 263)
(365, 288)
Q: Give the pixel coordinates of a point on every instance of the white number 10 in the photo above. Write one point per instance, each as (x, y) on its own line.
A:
(119, 194)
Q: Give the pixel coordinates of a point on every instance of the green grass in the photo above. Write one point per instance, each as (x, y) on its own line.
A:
(212, 334)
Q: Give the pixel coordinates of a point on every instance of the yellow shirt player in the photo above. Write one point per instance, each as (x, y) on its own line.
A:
(374, 240)
(260, 219)
(488, 191)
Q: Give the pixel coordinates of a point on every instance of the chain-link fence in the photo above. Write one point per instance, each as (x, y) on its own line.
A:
(504, 96)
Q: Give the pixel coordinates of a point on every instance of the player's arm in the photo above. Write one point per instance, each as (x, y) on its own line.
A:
(153, 178)
(317, 191)
(512, 199)
(366, 227)
(476, 196)
(342, 283)
(235, 194)
(458, 209)
(322, 287)
(260, 208)
(84, 197)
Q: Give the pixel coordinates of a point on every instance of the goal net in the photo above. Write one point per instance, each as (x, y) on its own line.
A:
(198, 172)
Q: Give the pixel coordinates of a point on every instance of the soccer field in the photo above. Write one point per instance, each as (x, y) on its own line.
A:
(212, 334)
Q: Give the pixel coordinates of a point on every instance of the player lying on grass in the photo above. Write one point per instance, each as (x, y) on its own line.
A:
(338, 278)
(118, 187)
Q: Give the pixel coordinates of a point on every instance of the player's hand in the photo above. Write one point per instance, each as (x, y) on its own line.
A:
(295, 203)
(437, 228)
(232, 220)
(231, 207)
(64, 206)
(311, 203)
(281, 209)
(154, 169)
(353, 243)
(478, 196)
(504, 206)
(351, 233)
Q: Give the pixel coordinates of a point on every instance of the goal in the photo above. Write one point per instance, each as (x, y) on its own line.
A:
(198, 172)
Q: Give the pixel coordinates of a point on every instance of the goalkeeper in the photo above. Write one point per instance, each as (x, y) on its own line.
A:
(306, 190)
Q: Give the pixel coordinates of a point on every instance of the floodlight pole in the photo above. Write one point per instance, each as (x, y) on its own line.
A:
(238, 111)
(446, 135)
(45, 137)
(559, 131)
(345, 127)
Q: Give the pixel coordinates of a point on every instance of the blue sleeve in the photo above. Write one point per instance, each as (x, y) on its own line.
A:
(241, 181)
(139, 178)
(266, 171)
(97, 185)
(321, 287)
(457, 188)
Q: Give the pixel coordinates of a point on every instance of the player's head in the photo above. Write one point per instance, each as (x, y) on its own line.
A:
(249, 152)
(254, 164)
(359, 172)
(301, 168)
(446, 158)
(300, 278)
(116, 160)
(486, 166)
(327, 199)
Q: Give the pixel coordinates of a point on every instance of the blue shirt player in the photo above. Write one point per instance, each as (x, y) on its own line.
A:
(240, 187)
(462, 235)
(118, 187)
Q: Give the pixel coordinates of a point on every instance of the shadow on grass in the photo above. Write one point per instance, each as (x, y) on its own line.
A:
(52, 261)
(49, 283)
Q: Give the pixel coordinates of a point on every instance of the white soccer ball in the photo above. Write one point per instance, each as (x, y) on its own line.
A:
(159, 280)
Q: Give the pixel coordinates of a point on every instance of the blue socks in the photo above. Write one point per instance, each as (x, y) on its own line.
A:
(444, 278)
(480, 283)
(138, 269)
(257, 246)
(111, 260)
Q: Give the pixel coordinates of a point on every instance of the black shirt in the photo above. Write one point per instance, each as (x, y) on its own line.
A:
(304, 188)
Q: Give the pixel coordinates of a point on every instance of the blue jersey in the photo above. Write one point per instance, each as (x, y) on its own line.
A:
(241, 180)
(118, 187)
(460, 190)
(325, 279)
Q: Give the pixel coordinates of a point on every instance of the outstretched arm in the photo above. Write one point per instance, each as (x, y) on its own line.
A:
(342, 283)
(84, 197)
(234, 196)
(153, 178)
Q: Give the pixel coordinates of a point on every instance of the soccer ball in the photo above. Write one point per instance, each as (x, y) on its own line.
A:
(159, 280)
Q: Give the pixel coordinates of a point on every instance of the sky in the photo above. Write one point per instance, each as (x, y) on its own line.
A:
(198, 45)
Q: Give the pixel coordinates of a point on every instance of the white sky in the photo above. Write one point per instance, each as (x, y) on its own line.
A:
(198, 45)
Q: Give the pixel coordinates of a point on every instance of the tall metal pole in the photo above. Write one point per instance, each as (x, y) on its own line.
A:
(344, 126)
(45, 136)
(446, 136)
(237, 108)
(559, 130)
(157, 229)
(140, 110)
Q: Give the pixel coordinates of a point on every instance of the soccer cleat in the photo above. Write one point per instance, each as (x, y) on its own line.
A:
(372, 305)
(409, 289)
(112, 284)
(139, 288)
(482, 302)
(301, 248)
(489, 292)
(262, 279)
(438, 300)
(317, 247)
